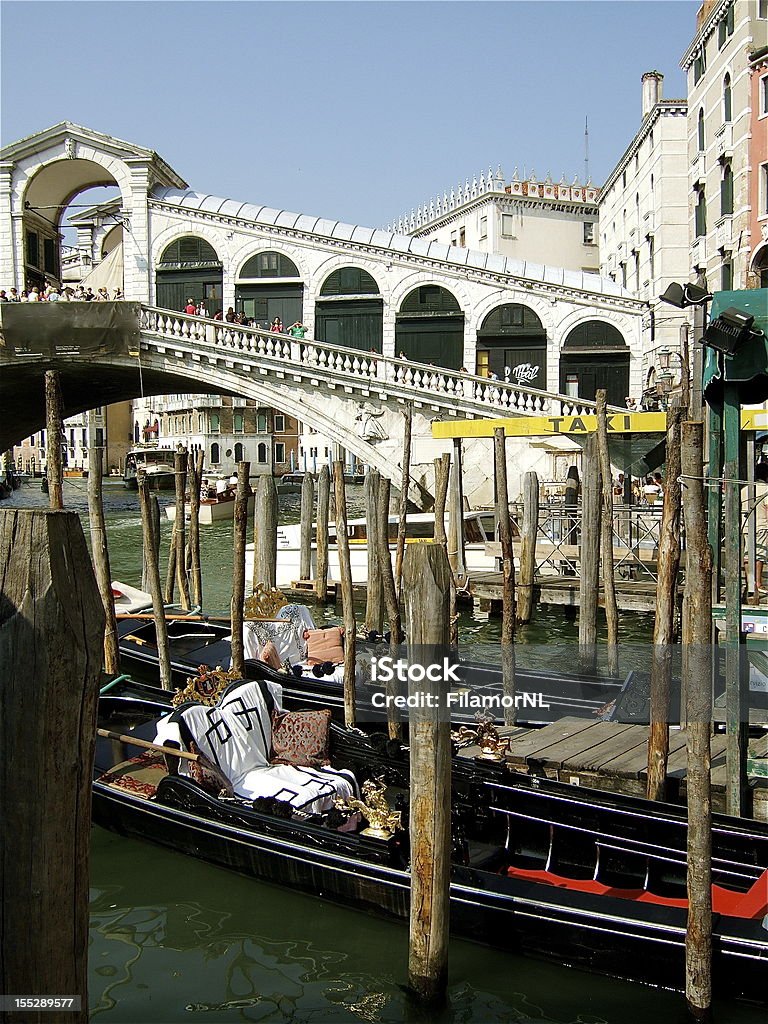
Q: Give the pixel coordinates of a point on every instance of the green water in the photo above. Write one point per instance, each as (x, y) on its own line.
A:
(174, 940)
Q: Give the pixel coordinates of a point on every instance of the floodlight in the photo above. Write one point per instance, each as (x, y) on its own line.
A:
(729, 331)
(683, 295)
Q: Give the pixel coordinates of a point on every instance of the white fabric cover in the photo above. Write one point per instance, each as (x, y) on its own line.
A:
(236, 735)
(286, 632)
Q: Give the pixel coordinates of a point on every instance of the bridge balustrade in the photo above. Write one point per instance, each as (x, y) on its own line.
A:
(421, 379)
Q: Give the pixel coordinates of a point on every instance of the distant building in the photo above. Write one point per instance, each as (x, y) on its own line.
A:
(757, 274)
(107, 427)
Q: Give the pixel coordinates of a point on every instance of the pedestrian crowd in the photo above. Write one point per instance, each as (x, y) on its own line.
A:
(66, 294)
(193, 308)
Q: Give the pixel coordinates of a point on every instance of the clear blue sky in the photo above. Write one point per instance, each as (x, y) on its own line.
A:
(354, 111)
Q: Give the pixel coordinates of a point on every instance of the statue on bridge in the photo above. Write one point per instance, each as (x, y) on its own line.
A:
(369, 428)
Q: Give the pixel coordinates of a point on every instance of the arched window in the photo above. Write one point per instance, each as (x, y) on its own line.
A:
(701, 214)
(261, 423)
(239, 422)
(761, 267)
(349, 281)
(215, 422)
(701, 129)
(189, 251)
(215, 456)
(261, 453)
(238, 451)
(269, 264)
(727, 100)
(726, 191)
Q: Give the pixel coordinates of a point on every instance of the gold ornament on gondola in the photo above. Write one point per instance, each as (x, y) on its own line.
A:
(382, 820)
(206, 687)
(485, 735)
(264, 602)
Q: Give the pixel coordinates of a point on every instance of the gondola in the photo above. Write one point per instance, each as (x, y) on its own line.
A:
(588, 879)
(542, 697)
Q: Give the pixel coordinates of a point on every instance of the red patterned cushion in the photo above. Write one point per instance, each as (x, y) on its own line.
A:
(208, 775)
(301, 738)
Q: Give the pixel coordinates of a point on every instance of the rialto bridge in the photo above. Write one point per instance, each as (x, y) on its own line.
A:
(366, 296)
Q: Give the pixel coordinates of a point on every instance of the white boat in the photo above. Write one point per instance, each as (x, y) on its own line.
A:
(156, 463)
(128, 600)
(478, 532)
(217, 501)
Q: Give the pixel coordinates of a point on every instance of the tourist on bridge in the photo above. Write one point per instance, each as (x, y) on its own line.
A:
(201, 309)
(191, 307)
(297, 329)
(277, 325)
(230, 316)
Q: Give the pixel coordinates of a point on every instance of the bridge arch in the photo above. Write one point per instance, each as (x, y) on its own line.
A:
(512, 344)
(269, 282)
(594, 355)
(189, 267)
(349, 309)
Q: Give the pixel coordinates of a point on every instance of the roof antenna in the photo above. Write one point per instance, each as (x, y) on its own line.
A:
(586, 150)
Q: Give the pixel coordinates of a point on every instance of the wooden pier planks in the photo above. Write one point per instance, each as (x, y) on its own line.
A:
(631, 595)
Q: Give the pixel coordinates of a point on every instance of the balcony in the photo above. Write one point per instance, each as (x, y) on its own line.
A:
(724, 233)
(698, 169)
(699, 251)
(649, 223)
(724, 142)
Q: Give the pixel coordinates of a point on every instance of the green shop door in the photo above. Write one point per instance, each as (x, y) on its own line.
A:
(438, 340)
(350, 324)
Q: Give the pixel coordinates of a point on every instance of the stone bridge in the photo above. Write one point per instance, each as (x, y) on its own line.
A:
(355, 398)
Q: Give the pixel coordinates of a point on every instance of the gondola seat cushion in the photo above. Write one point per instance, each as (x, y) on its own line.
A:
(301, 738)
(236, 735)
(325, 645)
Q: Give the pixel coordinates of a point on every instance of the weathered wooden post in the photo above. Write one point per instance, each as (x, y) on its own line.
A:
(265, 533)
(238, 565)
(390, 596)
(180, 529)
(345, 574)
(589, 555)
(405, 482)
(100, 554)
(374, 601)
(606, 535)
(528, 537)
(154, 540)
(158, 607)
(51, 645)
(697, 624)
(664, 623)
(307, 515)
(321, 535)
(54, 471)
(571, 509)
(507, 573)
(427, 577)
(442, 478)
(170, 571)
(456, 513)
(196, 461)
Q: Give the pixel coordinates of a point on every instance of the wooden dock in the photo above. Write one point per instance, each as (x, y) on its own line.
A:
(631, 595)
(612, 756)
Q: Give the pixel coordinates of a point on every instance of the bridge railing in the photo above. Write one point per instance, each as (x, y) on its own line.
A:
(378, 369)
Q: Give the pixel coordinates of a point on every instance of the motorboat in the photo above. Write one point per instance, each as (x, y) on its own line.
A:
(478, 532)
(585, 878)
(155, 463)
(217, 501)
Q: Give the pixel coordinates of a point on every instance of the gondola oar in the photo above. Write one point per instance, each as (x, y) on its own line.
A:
(173, 751)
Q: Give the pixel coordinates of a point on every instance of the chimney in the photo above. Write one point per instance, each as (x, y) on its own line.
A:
(651, 90)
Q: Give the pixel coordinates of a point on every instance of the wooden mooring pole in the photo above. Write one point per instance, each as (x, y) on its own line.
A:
(155, 588)
(180, 528)
(374, 596)
(664, 624)
(51, 645)
(307, 515)
(100, 554)
(426, 586)
(196, 462)
(405, 482)
(528, 534)
(589, 555)
(442, 479)
(390, 596)
(152, 538)
(54, 470)
(265, 533)
(321, 538)
(240, 536)
(507, 574)
(345, 573)
(697, 625)
(606, 535)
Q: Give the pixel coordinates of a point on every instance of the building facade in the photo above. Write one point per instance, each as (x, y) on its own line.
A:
(757, 275)
(644, 228)
(722, 157)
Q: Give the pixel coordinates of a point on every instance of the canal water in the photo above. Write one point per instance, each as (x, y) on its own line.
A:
(174, 940)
